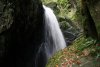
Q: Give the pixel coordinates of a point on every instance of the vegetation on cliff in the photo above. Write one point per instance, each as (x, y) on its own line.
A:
(84, 51)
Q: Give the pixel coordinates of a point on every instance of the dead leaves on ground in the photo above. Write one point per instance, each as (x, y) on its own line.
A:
(70, 57)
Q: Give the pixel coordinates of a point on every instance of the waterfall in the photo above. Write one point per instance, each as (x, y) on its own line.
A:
(53, 36)
(54, 40)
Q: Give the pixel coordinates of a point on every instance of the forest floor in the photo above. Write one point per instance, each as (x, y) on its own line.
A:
(84, 52)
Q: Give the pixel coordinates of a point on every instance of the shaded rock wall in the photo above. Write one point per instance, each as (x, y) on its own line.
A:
(95, 12)
(20, 42)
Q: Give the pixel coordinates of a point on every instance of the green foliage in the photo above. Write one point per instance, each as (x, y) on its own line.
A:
(54, 60)
(82, 42)
(63, 3)
(63, 8)
(82, 48)
(85, 43)
(64, 25)
(96, 51)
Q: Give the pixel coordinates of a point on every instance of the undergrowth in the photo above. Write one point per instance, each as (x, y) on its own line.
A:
(82, 47)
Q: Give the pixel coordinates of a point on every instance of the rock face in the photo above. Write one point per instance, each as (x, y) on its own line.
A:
(95, 12)
(6, 18)
(20, 41)
(63, 12)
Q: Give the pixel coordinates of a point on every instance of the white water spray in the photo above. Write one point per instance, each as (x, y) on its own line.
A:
(54, 40)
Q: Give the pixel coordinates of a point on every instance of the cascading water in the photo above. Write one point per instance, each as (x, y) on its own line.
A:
(53, 35)
(54, 40)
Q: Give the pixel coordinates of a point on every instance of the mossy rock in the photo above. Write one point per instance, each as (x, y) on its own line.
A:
(6, 17)
(53, 5)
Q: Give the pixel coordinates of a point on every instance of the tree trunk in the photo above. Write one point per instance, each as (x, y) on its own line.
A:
(88, 22)
(25, 35)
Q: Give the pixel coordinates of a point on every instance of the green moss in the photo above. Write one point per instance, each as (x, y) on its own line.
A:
(52, 62)
(65, 9)
(83, 43)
